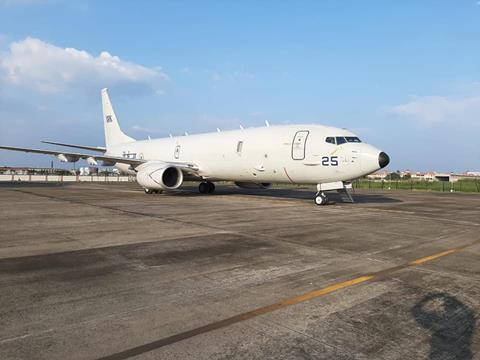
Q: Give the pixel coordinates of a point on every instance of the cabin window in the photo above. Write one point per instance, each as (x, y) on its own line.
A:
(341, 140)
(330, 140)
(239, 147)
(353, 139)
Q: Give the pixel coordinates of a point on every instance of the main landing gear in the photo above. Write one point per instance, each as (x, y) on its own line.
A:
(152, 191)
(206, 187)
(321, 199)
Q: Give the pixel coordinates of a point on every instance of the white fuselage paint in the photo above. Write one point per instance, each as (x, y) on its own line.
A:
(267, 154)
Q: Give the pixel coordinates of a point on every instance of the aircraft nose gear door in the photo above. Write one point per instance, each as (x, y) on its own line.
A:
(298, 145)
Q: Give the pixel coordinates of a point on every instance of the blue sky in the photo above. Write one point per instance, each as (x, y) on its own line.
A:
(404, 75)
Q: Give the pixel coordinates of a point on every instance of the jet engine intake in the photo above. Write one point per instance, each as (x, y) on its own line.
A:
(158, 176)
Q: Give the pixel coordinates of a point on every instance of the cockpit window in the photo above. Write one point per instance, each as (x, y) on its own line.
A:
(353, 139)
(341, 140)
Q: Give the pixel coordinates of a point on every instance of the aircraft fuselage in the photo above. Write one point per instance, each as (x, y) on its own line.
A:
(280, 154)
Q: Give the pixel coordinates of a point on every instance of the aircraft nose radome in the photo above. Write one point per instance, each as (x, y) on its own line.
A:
(383, 160)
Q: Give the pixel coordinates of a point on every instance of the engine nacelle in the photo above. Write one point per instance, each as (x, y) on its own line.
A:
(158, 176)
(91, 161)
(253, 185)
(67, 158)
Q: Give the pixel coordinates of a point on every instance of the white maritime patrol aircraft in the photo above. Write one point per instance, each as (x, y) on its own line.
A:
(252, 158)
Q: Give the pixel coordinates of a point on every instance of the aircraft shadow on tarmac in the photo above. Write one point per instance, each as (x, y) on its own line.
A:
(451, 325)
(300, 194)
(295, 193)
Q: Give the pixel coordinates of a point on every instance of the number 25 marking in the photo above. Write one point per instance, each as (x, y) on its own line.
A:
(330, 161)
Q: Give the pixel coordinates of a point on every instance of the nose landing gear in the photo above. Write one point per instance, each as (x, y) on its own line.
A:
(321, 199)
(206, 187)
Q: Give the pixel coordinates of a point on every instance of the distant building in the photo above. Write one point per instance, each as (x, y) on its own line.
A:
(379, 175)
(424, 176)
(7, 170)
(438, 176)
(12, 170)
(87, 171)
(417, 175)
(468, 175)
(404, 174)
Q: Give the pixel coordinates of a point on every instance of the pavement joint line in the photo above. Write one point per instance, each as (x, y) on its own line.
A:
(112, 315)
(416, 217)
(157, 344)
(398, 247)
(291, 329)
(282, 304)
(160, 217)
(165, 218)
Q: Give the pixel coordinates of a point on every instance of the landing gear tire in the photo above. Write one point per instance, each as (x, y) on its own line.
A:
(149, 191)
(211, 187)
(206, 187)
(321, 199)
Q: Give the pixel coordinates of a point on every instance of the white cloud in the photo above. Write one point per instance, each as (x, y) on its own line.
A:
(37, 65)
(432, 110)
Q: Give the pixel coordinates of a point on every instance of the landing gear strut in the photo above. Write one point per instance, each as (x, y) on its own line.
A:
(206, 187)
(321, 199)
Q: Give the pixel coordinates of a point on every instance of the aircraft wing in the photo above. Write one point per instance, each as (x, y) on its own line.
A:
(92, 148)
(188, 167)
(106, 158)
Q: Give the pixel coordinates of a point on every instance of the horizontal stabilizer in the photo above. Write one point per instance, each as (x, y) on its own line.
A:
(84, 147)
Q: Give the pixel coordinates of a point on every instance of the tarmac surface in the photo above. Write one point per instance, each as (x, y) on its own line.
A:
(92, 271)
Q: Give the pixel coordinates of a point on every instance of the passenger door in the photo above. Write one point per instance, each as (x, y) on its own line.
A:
(176, 153)
(299, 145)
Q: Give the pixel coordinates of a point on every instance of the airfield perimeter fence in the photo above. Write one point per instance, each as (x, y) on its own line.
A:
(471, 186)
(65, 178)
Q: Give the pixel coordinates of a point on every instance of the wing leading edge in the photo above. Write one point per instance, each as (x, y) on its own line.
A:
(188, 167)
(84, 147)
(106, 158)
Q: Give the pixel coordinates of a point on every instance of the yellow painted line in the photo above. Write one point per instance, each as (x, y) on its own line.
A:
(327, 290)
(135, 351)
(433, 257)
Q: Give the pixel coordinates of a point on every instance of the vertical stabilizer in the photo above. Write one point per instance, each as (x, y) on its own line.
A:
(113, 134)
